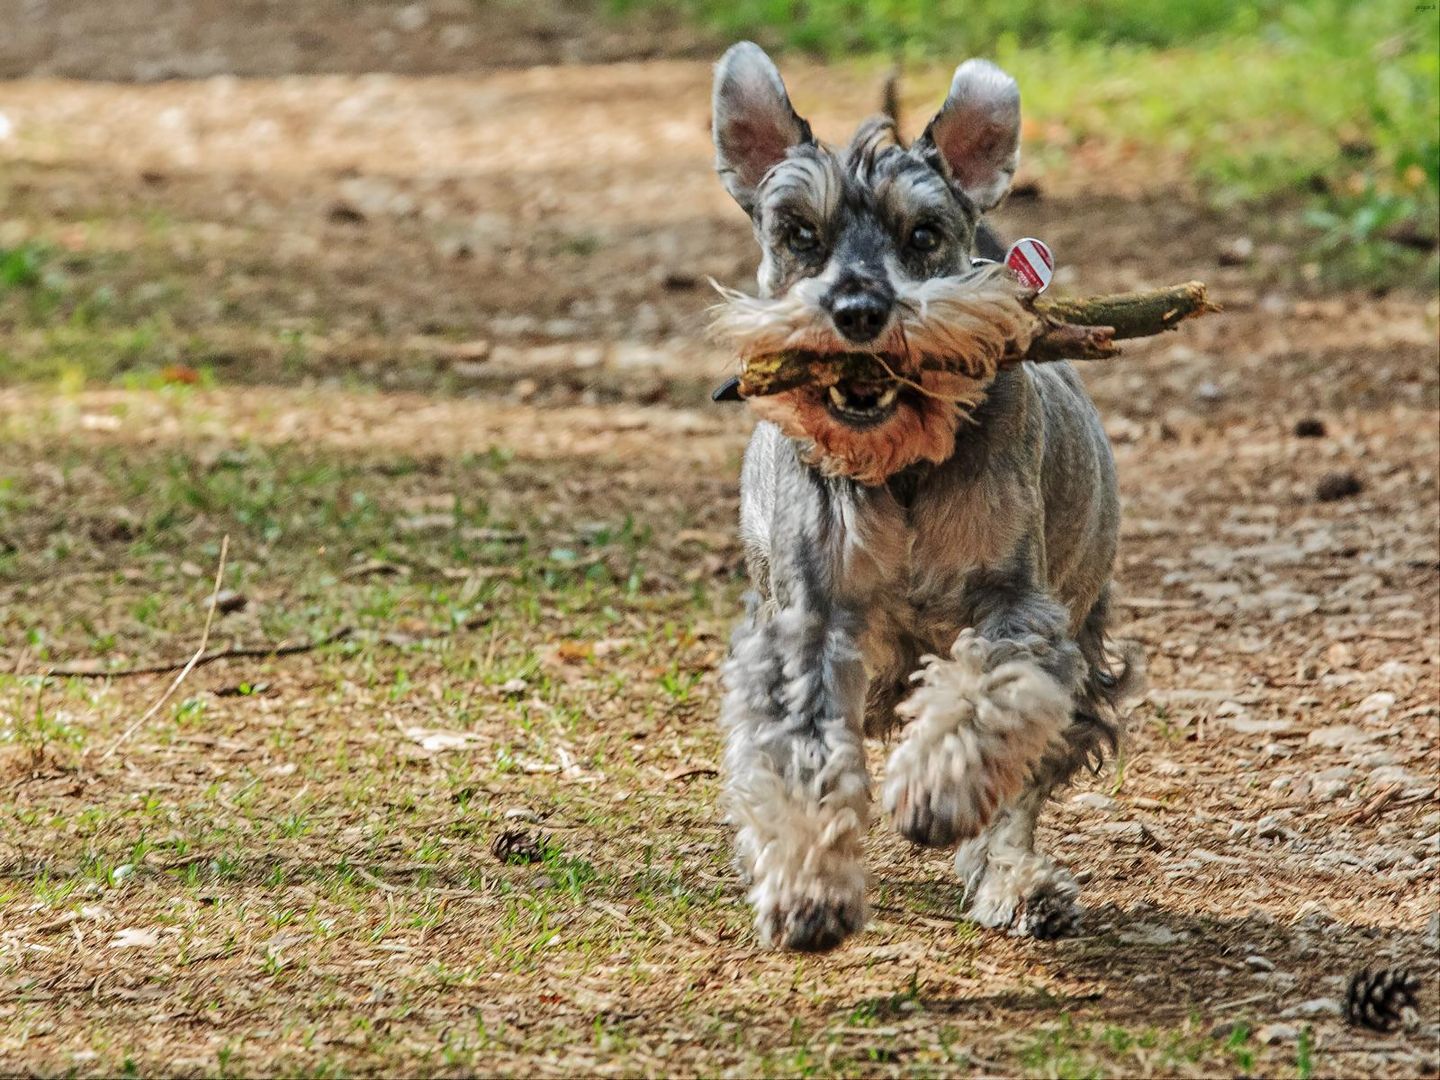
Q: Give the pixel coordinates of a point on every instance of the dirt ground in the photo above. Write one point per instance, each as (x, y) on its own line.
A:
(156, 40)
(446, 340)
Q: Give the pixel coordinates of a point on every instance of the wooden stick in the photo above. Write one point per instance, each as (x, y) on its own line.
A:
(1132, 315)
(1066, 330)
(1376, 804)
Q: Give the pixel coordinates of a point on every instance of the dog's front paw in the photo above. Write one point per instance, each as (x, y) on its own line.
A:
(935, 803)
(809, 923)
(1027, 894)
(976, 731)
(808, 883)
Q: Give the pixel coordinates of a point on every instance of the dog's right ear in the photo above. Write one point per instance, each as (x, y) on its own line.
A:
(753, 121)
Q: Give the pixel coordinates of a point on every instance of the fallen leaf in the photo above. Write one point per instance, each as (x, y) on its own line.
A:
(574, 650)
(425, 522)
(435, 740)
(1143, 933)
(1247, 725)
(1377, 706)
(182, 374)
(228, 600)
(134, 938)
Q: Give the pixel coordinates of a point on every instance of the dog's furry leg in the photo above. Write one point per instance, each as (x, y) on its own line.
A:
(797, 789)
(976, 732)
(1010, 886)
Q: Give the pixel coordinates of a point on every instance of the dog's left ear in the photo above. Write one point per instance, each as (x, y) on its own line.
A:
(976, 133)
(754, 123)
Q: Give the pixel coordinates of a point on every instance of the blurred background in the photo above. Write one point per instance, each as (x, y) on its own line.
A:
(407, 300)
(355, 150)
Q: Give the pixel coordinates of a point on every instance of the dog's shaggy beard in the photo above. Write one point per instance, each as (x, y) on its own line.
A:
(944, 347)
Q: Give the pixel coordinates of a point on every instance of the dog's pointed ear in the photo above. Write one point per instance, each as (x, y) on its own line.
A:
(976, 133)
(754, 123)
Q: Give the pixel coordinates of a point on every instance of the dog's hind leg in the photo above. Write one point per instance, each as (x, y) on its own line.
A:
(1008, 884)
(1011, 886)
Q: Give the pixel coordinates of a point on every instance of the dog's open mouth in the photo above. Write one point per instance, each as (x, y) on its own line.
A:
(862, 404)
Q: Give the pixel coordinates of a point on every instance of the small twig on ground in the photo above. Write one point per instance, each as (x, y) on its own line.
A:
(199, 652)
(917, 917)
(230, 652)
(1226, 1005)
(685, 774)
(385, 886)
(57, 924)
(371, 879)
(994, 1067)
(188, 861)
(1372, 808)
(1156, 603)
(616, 913)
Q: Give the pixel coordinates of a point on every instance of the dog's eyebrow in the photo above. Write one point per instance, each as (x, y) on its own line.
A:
(911, 188)
(805, 180)
(875, 141)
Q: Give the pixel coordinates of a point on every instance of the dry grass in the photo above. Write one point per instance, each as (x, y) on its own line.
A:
(314, 892)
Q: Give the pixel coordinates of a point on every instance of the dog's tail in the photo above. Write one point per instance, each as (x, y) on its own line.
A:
(890, 99)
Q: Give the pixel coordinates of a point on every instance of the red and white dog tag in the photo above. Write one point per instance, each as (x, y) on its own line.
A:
(1030, 260)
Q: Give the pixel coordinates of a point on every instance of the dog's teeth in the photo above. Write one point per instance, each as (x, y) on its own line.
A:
(837, 397)
(887, 397)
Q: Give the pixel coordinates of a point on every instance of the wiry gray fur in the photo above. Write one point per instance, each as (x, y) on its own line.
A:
(859, 589)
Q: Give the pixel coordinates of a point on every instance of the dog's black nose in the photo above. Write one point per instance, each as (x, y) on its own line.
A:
(860, 314)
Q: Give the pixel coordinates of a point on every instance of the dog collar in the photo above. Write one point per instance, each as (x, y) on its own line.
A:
(1029, 260)
(729, 390)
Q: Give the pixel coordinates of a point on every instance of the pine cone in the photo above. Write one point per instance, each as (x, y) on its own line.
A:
(1379, 1001)
(519, 847)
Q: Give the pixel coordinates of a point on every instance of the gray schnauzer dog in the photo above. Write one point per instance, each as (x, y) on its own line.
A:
(940, 560)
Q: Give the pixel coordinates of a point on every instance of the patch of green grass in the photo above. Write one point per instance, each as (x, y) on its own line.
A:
(1073, 1049)
(36, 723)
(1305, 1054)
(1239, 1048)
(581, 244)
(313, 519)
(925, 27)
(1336, 106)
(24, 266)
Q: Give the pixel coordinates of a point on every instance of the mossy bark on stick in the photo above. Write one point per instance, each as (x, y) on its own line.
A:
(1132, 315)
(1084, 329)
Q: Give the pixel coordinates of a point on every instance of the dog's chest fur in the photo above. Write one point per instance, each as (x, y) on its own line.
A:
(912, 555)
(916, 553)
(910, 561)
(920, 540)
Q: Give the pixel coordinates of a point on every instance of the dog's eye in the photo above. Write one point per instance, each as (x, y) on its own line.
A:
(802, 240)
(924, 239)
